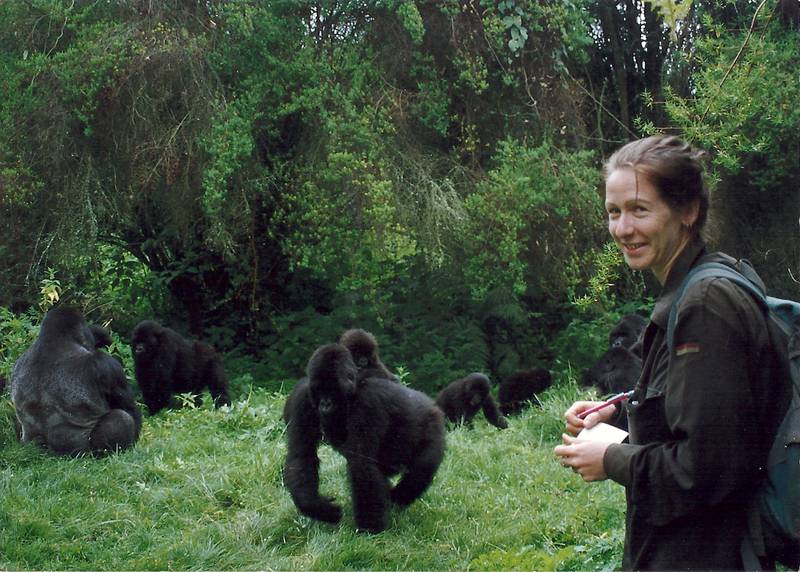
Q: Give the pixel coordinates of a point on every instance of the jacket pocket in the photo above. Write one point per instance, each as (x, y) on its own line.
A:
(647, 422)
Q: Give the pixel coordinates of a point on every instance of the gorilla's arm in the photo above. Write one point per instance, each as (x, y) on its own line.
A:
(115, 387)
(492, 413)
(301, 471)
(367, 425)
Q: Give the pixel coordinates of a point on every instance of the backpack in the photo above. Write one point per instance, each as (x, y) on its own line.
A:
(774, 515)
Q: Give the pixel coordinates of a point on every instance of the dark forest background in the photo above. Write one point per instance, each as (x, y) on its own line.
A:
(265, 174)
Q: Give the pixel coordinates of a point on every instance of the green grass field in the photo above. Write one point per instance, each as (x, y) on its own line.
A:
(202, 490)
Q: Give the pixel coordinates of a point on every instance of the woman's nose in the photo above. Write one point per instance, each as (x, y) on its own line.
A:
(622, 226)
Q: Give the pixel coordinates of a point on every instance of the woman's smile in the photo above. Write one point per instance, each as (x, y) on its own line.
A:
(649, 233)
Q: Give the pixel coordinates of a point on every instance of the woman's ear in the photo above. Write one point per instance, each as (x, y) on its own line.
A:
(691, 213)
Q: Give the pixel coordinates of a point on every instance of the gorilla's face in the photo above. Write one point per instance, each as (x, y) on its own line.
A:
(145, 337)
(332, 379)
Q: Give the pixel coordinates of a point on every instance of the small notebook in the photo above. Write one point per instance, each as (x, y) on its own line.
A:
(603, 432)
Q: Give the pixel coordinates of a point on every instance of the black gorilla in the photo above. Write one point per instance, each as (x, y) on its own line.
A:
(616, 371)
(462, 399)
(382, 428)
(102, 337)
(627, 331)
(166, 364)
(364, 348)
(69, 396)
(521, 387)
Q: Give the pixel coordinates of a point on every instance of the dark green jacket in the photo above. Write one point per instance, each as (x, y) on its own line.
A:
(701, 421)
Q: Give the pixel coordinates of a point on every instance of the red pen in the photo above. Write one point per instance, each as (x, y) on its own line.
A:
(616, 399)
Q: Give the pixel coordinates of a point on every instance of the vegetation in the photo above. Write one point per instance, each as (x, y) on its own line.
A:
(264, 175)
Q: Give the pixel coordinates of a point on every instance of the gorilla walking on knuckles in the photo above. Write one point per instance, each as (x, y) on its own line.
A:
(166, 364)
(70, 396)
(462, 399)
(381, 427)
(363, 346)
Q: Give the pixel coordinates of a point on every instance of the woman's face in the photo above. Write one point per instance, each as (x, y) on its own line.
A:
(648, 232)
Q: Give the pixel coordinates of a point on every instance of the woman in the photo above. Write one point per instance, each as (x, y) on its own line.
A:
(702, 416)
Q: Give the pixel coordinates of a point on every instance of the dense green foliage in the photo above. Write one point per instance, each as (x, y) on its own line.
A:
(266, 174)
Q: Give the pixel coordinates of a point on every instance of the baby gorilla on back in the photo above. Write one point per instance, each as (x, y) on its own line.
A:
(363, 346)
(381, 427)
(166, 363)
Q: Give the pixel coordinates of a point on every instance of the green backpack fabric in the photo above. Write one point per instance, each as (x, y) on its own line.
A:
(775, 513)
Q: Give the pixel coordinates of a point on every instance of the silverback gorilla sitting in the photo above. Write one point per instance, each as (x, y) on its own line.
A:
(364, 348)
(70, 396)
(382, 428)
(462, 399)
(166, 364)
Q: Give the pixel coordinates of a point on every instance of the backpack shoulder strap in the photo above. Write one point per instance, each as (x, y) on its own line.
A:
(710, 270)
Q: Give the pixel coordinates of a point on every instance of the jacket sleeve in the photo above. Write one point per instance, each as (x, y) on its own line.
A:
(709, 395)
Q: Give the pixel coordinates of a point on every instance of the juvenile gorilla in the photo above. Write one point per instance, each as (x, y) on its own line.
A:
(382, 428)
(364, 348)
(69, 396)
(461, 400)
(521, 387)
(616, 371)
(166, 363)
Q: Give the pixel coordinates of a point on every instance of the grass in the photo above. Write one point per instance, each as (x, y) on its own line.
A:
(203, 490)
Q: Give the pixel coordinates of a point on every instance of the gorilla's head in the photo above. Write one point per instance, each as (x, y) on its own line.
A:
(362, 345)
(146, 337)
(332, 378)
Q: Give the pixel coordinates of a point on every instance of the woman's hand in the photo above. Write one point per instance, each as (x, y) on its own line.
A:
(575, 425)
(583, 457)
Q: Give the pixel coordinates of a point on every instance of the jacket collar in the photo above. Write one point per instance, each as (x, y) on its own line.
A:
(687, 259)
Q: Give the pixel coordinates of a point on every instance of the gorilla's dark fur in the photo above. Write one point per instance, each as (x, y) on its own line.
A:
(102, 337)
(619, 367)
(616, 371)
(70, 396)
(522, 387)
(627, 331)
(364, 348)
(166, 364)
(382, 428)
(462, 399)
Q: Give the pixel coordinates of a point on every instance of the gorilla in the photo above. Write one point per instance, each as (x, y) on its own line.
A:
(462, 399)
(627, 331)
(69, 396)
(363, 346)
(382, 428)
(166, 363)
(521, 387)
(102, 337)
(616, 371)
